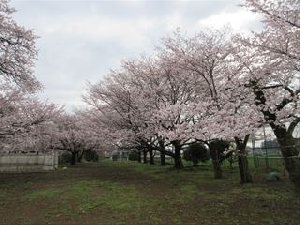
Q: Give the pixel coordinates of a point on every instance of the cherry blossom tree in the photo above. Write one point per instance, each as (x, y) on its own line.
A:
(103, 134)
(271, 60)
(135, 96)
(209, 55)
(17, 51)
(24, 118)
(121, 108)
(20, 112)
(171, 93)
(75, 136)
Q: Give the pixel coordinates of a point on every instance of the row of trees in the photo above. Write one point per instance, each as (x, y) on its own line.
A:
(214, 85)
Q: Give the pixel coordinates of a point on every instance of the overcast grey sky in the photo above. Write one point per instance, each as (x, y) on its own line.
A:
(81, 41)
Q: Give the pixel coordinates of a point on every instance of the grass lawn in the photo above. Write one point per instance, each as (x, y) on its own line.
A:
(130, 193)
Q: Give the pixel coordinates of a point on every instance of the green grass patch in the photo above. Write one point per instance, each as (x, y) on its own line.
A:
(92, 195)
(44, 194)
(188, 193)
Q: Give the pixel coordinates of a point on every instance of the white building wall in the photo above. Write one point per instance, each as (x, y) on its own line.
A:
(28, 163)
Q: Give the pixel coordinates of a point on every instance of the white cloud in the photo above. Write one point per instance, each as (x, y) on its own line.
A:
(173, 21)
(135, 34)
(128, 33)
(238, 21)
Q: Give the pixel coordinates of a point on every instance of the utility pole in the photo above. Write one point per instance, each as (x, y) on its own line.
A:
(266, 150)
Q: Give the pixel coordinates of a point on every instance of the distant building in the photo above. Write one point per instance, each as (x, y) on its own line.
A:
(121, 154)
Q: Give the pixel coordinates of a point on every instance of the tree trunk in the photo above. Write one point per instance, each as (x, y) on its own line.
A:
(162, 159)
(284, 136)
(79, 156)
(218, 174)
(145, 157)
(245, 175)
(139, 156)
(177, 156)
(73, 158)
(292, 165)
(151, 157)
(162, 155)
(290, 153)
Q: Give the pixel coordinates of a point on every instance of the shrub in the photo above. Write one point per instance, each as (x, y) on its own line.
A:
(133, 156)
(65, 158)
(217, 149)
(91, 156)
(196, 152)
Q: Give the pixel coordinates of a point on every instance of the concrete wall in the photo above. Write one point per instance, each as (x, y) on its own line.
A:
(28, 163)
